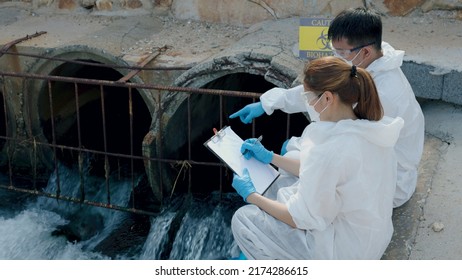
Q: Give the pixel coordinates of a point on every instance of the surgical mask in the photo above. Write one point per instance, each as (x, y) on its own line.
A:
(315, 116)
(350, 62)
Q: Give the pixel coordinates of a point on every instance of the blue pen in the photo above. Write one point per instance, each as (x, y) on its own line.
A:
(258, 140)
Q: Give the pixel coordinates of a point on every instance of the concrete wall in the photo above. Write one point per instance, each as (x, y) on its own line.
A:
(429, 84)
(247, 12)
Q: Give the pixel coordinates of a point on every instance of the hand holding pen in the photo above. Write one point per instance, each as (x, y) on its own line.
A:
(253, 148)
(246, 151)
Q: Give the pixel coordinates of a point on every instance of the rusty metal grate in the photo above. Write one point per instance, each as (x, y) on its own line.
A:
(32, 141)
(79, 149)
(13, 139)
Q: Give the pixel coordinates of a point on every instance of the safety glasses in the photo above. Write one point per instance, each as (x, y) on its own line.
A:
(310, 96)
(347, 53)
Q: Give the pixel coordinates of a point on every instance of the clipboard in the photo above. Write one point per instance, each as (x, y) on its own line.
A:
(226, 145)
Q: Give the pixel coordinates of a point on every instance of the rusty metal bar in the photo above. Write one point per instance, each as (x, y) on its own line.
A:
(188, 99)
(106, 161)
(77, 110)
(53, 136)
(253, 121)
(73, 199)
(79, 139)
(141, 65)
(12, 43)
(221, 125)
(130, 114)
(171, 161)
(96, 64)
(132, 157)
(159, 117)
(7, 132)
(33, 158)
(136, 85)
(34, 165)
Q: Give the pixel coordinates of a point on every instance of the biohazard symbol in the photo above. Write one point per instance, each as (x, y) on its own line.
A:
(323, 42)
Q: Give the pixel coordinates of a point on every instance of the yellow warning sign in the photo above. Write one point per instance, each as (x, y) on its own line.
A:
(313, 42)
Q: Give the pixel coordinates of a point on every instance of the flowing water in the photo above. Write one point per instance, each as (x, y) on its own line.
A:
(33, 227)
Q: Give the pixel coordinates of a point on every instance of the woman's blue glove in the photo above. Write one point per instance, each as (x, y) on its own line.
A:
(249, 112)
(253, 148)
(243, 185)
(284, 147)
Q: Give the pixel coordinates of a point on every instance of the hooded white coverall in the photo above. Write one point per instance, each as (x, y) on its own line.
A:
(342, 204)
(398, 100)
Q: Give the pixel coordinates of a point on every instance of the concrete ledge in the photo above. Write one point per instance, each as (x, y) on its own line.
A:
(428, 83)
(406, 219)
(452, 88)
(424, 84)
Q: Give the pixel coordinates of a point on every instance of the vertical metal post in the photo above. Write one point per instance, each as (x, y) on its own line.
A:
(159, 147)
(34, 158)
(53, 135)
(254, 120)
(130, 114)
(7, 134)
(79, 139)
(106, 161)
(189, 143)
(221, 126)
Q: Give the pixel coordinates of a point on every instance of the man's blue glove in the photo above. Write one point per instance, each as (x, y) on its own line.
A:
(253, 148)
(284, 147)
(249, 112)
(243, 185)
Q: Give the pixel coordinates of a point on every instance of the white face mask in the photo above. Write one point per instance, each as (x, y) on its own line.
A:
(314, 115)
(350, 62)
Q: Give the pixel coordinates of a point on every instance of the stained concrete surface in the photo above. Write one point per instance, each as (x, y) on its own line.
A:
(428, 226)
(439, 227)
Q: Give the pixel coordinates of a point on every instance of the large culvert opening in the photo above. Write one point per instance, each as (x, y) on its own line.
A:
(69, 112)
(205, 115)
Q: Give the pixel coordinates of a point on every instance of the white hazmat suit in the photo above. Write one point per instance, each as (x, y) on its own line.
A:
(342, 204)
(398, 100)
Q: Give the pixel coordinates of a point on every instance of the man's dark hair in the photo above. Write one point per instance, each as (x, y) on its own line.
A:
(359, 26)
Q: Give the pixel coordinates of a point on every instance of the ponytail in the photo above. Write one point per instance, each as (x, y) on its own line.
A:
(369, 106)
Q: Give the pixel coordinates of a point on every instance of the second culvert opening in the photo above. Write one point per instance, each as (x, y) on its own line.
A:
(205, 116)
(90, 112)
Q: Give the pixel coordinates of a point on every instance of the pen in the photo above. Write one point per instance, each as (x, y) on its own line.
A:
(258, 140)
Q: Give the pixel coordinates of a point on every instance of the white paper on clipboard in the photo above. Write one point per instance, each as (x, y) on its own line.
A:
(226, 145)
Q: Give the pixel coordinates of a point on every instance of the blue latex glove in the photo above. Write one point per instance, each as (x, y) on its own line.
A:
(243, 185)
(253, 148)
(284, 147)
(249, 112)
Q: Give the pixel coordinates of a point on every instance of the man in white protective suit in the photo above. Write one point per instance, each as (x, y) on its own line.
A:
(356, 36)
(342, 205)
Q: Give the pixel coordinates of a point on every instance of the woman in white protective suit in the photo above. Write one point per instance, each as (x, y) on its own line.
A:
(356, 36)
(341, 207)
